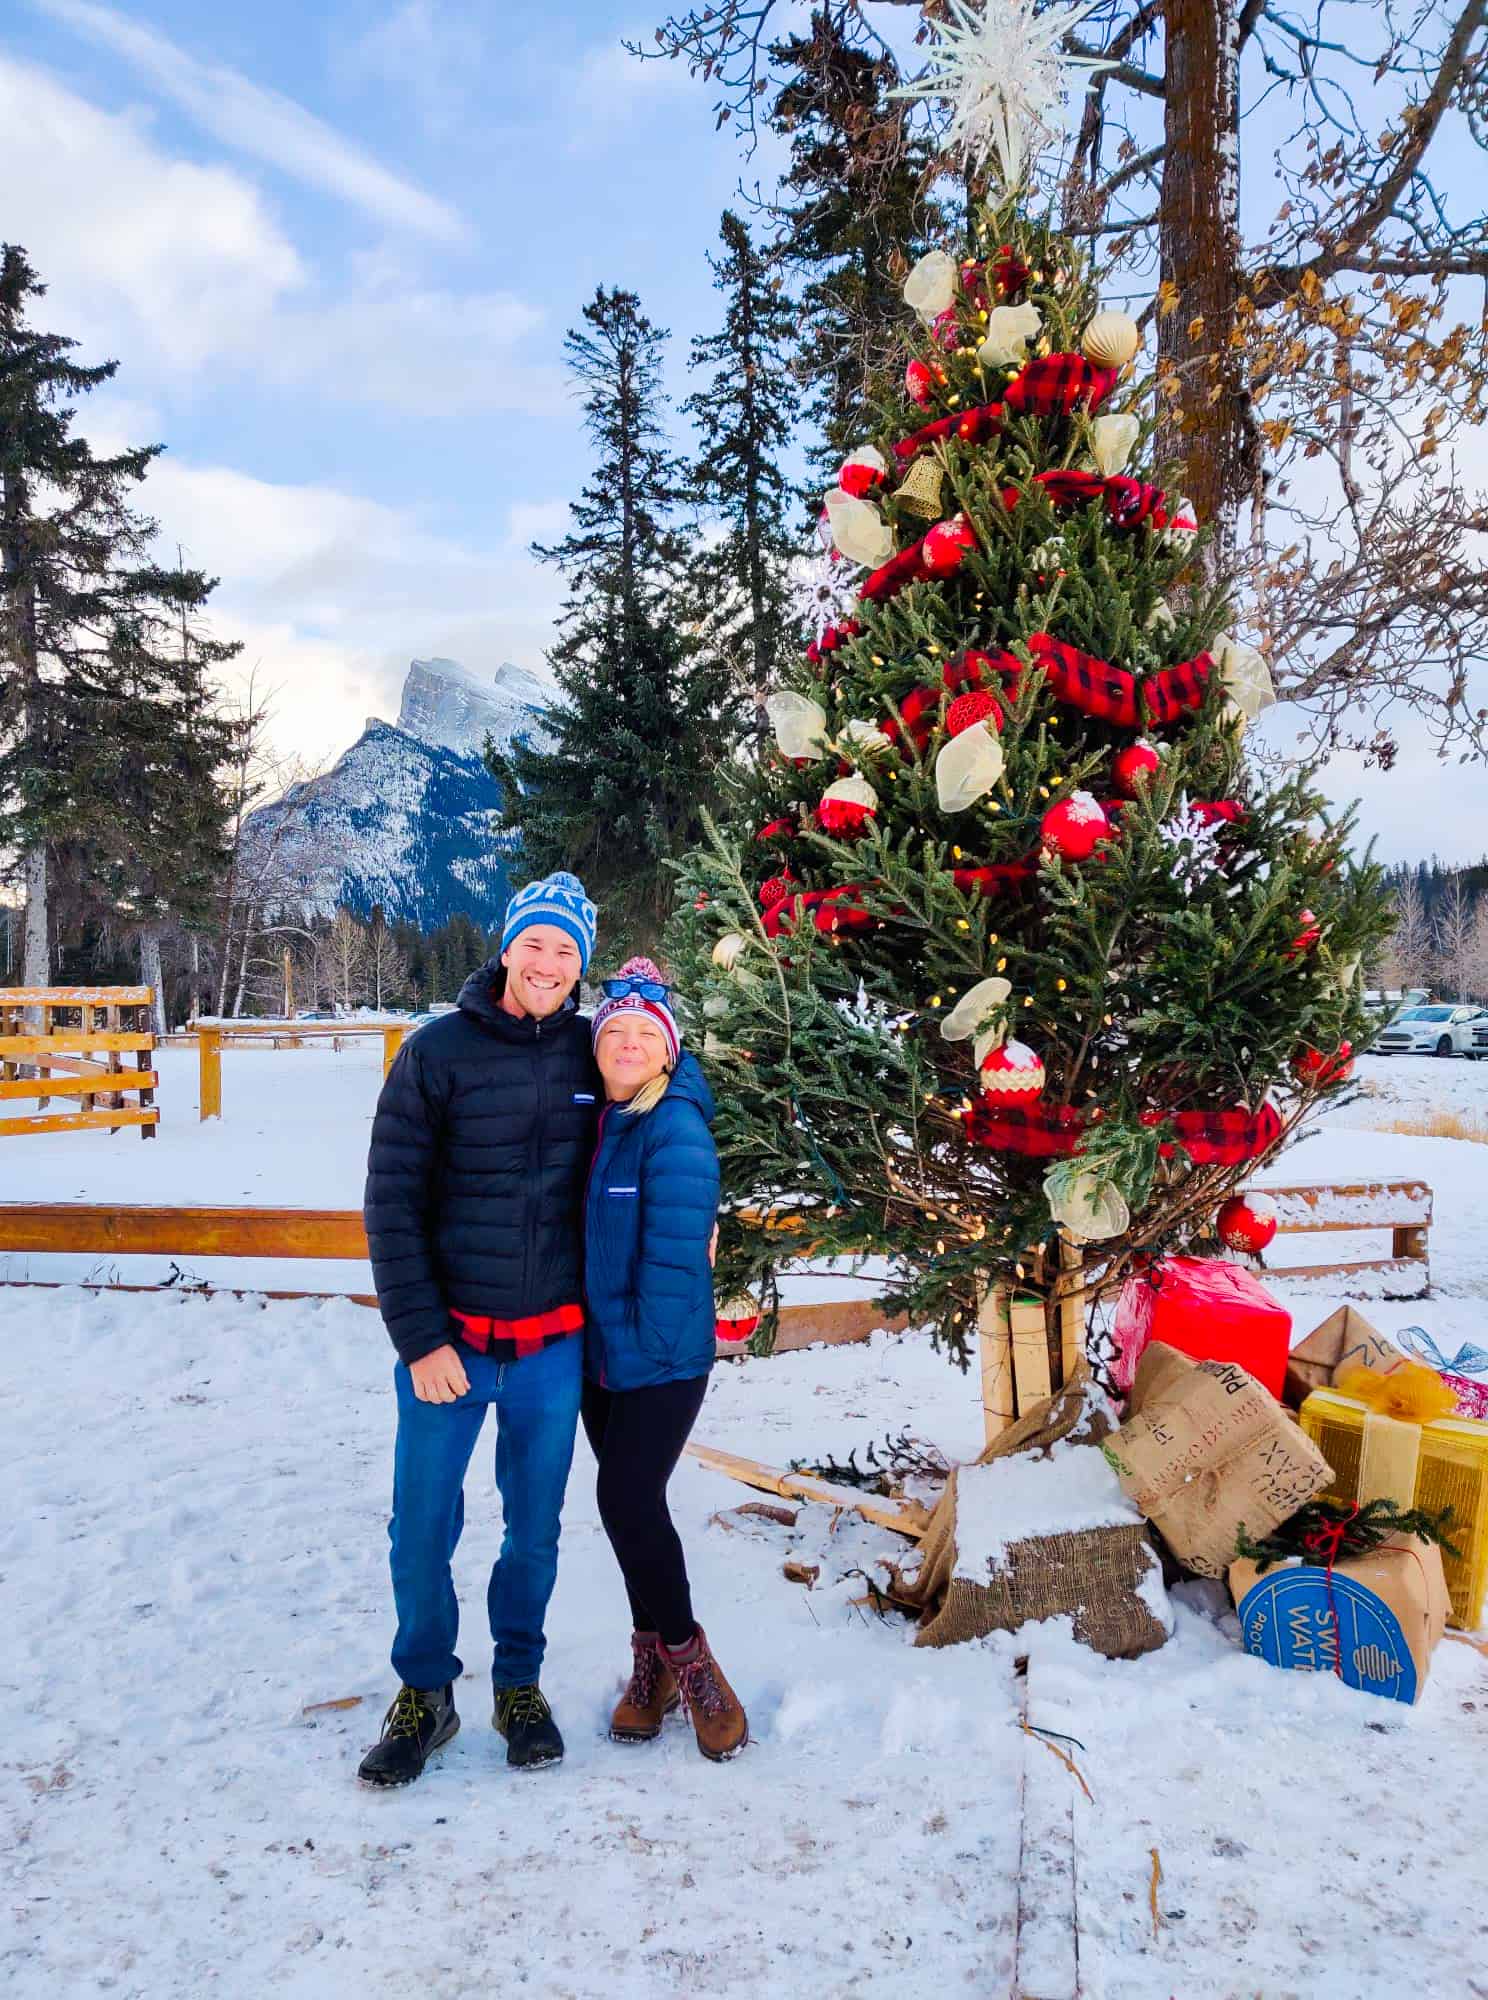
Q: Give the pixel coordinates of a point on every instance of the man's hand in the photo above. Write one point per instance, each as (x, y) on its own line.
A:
(439, 1377)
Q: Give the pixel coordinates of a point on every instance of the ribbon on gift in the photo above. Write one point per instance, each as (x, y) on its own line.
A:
(1397, 1404)
(1468, 1360)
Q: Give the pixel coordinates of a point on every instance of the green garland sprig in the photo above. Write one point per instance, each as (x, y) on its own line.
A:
(1323, 1526)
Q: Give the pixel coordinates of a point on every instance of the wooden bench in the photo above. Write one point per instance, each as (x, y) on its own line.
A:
(1402, 1207)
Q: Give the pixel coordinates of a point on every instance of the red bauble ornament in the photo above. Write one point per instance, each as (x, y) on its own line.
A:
(969, 709)
(1307, 936)
(1312, 1067)
(919, 383)
(1075, 827)
(701, 901)
(844, 817)
(1247, 1222)
(1132, 768)
(947, 330)
(944, 548)
(857, 478)
(777, 829)
(1012, 1073)
(775, 890)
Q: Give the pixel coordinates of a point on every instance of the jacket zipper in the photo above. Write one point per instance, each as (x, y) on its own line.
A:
(589, 1182)
(534, 1162)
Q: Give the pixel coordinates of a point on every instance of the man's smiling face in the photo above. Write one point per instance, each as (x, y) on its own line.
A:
(542, 969)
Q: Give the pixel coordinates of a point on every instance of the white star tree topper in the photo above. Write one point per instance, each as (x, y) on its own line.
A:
(1000, 68)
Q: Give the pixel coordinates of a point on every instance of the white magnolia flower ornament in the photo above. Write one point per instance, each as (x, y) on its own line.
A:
(799, 723)
(1086, 1207)
(932, 285)
(967, 768)
(971, 1010)
(863, 736)
(1112, 442)
(1244, 676)
(858, 529)
(1009, 330)
(728, 950)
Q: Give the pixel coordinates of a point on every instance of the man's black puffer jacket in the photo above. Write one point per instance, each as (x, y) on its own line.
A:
(475, 1180)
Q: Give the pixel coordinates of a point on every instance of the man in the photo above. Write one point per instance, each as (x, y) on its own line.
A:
(483, 1137)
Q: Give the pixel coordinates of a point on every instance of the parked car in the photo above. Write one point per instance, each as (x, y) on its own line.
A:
(1434, 1031)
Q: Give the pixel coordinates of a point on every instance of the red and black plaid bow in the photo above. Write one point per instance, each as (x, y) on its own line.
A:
(1220, 1138)
(1171, 693)
(1042, 1132)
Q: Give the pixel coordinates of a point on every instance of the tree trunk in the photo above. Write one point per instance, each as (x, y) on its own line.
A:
(1199, 244)
(243, 966)
(152, 976)
(36, 963)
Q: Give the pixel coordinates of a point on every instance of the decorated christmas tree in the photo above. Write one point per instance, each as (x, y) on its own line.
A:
(1012, 968)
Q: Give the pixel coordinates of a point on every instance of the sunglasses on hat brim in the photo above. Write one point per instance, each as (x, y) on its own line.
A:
(647, 989)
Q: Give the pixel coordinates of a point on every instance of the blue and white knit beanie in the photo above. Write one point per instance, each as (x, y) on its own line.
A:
(560, 901)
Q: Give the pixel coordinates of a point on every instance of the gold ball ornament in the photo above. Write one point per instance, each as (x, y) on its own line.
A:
(1111, 339)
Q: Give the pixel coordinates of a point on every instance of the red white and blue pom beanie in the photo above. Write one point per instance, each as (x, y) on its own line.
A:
(636, 1003)
(558, 900)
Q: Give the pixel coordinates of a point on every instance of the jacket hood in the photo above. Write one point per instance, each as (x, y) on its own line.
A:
(689, 1082)
(480, 998)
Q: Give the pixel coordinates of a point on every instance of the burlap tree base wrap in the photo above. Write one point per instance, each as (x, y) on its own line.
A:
(1092, 1575)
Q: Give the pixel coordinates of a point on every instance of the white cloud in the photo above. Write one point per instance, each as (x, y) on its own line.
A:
(609, 89)
(333, 594)
(137, 249)
(429, 55)
(267, 126)
(175, 267)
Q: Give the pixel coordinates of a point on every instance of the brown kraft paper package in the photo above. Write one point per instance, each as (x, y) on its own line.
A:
(1206, 1451)
(1345, 1339)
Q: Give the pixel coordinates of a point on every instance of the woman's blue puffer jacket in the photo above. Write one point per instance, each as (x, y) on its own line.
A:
(653, 1196)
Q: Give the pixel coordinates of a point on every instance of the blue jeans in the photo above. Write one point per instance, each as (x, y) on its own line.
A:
(537, 1409)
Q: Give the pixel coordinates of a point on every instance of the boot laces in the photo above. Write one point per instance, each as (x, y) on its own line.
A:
(645, 1677)
(411, 1707)
(699, 1684)
(526, 1704)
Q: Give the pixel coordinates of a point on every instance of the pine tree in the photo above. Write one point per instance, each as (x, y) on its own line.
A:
(1012, 959)
(640, 719)
(744, 414)
(855, 205)
(107, 744)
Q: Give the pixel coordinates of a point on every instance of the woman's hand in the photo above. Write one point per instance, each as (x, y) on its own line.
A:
(439, 1377)
(713, 1246)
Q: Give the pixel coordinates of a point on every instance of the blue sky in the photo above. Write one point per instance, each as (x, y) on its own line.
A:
(334, 248)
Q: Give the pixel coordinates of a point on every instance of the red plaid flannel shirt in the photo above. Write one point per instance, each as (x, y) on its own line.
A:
(515, 1339)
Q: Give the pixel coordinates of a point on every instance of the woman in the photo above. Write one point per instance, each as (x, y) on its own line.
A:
(649, 1342)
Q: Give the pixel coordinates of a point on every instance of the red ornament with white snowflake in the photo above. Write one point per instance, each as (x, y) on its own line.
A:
(944, 548)
(1316, 1070)
(1132, 768)
(1247, 1222)
(919, 383)
(967, 710)
(1012, 1073)
(1074, 828)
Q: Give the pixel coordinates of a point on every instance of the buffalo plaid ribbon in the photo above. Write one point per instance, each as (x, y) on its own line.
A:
(831, 639)
(1046, 1132)
(1052, 385)
(829, 910)
(1000, 875)
(1089, 684)
(1171, 693)
(983, 420)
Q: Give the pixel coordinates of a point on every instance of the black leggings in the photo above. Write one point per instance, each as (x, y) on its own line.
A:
(637, 1436)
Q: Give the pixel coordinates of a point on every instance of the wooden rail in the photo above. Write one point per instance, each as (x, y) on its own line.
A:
(1402, 1207)
(46, 1058)
(212, 1036)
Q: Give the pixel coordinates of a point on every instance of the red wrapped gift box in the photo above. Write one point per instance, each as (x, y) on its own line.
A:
(1210, 1311)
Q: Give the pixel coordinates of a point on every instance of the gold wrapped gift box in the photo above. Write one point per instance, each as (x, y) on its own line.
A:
(1433, 1465)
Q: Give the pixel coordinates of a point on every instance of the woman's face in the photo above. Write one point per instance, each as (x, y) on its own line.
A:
(631, 1050)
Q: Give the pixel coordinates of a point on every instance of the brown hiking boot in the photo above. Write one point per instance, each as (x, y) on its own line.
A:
(650, 1697)
(717, 1713)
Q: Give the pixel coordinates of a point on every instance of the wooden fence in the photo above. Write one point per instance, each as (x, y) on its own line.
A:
(79, 1059)
(1402, 1207)
(212, 1036)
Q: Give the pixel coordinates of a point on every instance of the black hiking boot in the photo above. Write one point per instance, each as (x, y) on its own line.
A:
(419, 1721)
(525, 1720)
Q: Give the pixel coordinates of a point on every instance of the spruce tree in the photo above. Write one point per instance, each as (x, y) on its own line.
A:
(640, 719)
(107, 747)
(855, 204)
(744, 413)
(1011, 959)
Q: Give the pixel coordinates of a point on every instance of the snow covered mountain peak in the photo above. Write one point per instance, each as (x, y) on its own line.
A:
(447, 705)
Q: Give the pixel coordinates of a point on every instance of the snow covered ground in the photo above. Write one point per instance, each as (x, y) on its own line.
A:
(193, 1554)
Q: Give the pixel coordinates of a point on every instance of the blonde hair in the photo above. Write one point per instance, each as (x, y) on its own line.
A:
(648, 1096)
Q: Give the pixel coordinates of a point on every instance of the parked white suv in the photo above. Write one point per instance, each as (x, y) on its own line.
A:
(1434, 1031)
